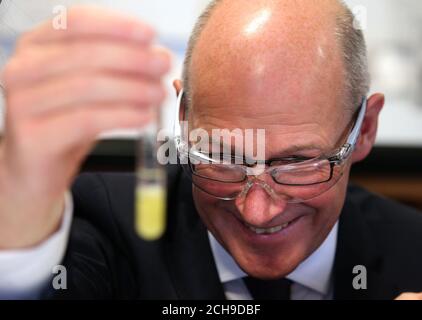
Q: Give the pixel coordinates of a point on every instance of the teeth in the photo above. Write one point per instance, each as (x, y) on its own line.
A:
(268, 230)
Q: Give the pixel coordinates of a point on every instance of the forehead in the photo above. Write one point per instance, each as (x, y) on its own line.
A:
(300, 112)
(300, 106)
(279, 78)
(285, 131)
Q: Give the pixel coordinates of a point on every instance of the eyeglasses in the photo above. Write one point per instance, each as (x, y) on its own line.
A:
(291, 179)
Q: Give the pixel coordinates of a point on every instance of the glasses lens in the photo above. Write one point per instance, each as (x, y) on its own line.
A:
(309, 185)
(293, 183)
(219, 172)
(303, 174)
(222, 190)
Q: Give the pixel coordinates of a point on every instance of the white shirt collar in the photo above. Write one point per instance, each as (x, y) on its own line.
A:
(313, 273)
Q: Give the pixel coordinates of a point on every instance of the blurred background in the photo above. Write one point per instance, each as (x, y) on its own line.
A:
(394, 34)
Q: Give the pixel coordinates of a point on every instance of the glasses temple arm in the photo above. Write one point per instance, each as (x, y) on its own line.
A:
(354, 135)
(176, 128)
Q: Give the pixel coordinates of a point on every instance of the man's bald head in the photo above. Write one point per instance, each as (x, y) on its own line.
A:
(299, 28)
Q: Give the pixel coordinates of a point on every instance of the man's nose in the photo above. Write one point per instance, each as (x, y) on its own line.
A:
(258, 207)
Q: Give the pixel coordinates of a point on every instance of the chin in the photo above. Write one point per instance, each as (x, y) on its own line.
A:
(266, 272)
(274, 264)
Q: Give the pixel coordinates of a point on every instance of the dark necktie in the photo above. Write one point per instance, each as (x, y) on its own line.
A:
(268, 289)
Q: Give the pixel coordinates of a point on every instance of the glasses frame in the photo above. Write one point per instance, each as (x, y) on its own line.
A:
(337, 157)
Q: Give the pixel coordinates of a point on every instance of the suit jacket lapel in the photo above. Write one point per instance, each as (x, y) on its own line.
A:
(355, 246)
(188, 253)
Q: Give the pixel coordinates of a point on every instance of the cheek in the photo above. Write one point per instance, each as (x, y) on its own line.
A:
(217, 216)
(209, 209)
(329, 206)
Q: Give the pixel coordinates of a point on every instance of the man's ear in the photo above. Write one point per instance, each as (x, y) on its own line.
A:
(178, 86)
(369, 129)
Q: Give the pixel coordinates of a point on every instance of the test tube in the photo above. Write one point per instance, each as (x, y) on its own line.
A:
(151, 188)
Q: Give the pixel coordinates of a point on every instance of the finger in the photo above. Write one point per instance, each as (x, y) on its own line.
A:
(79, 127)
(410, 296)
(88, 122)
(83, 56)
(67, 92)
(66, 139)
(89, 22)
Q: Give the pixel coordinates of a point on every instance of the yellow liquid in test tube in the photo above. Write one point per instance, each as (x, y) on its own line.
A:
(150, 211)
(151, 188)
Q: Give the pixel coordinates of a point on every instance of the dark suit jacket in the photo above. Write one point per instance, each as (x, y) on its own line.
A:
(106, 259)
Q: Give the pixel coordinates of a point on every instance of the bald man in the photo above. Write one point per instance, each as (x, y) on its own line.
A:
(295, 230)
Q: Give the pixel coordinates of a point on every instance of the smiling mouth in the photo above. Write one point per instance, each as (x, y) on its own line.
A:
(267, 231)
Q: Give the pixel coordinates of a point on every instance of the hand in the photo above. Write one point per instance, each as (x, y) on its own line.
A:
(410, 296)
(63, 88)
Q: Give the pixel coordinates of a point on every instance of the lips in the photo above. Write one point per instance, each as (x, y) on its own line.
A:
(274, 230)
(267, 231)
(276, 227)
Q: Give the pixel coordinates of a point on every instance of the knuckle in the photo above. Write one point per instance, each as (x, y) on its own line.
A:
(23, 42)
(79, 17)
(50, 54)
(11, 71)
(20, 65)
(75, 17)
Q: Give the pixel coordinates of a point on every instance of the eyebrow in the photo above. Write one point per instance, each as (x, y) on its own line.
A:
(299, 148)
(290, 151)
